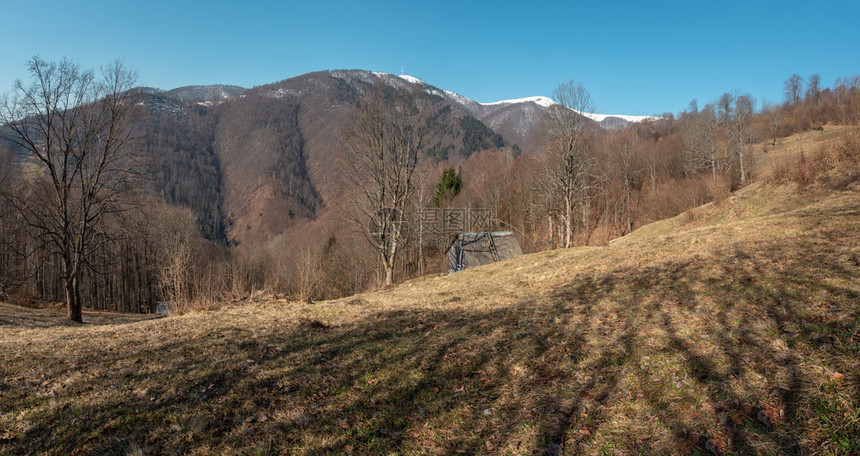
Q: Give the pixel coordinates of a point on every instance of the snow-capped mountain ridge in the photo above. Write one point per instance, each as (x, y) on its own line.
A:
(544, 102)
(633, 119)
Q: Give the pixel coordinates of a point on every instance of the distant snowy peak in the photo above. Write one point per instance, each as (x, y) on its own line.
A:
(543, 102)
(547, 102)
(626, 118)
(434, 90)
(540, 101)
(411, 79)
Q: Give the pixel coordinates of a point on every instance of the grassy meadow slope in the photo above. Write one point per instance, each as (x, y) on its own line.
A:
(730, 329)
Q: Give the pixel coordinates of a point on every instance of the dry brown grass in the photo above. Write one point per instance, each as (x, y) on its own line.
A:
(736, 329)
(834, 163)
(17, 318)
(790, 148)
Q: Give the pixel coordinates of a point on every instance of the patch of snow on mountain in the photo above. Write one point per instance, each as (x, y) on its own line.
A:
(433, 90)
(452, 96)
(281, 93)
(411, 79)
(547, 102)
(542, 101)
(601, 117)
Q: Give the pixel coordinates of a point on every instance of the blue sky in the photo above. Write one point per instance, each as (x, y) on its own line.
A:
(635, 58)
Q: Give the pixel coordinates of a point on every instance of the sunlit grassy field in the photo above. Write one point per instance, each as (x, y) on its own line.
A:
(731, 329)
(735, 330)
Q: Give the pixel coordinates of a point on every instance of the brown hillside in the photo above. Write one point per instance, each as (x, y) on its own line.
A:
(264, 162)
(731, 330)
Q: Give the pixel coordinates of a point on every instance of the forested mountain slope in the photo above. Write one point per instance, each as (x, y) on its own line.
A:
(253, 163)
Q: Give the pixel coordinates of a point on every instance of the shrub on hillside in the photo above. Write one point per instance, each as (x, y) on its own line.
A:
(720, 188)
(840, 162)
(678, 195)
(835, 164)
(798, 170)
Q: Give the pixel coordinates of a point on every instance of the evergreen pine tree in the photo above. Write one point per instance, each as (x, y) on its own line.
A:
(448, 187)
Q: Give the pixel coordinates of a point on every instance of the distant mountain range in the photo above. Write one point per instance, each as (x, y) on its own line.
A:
(255, 164)
(519, 116)
(515, 118)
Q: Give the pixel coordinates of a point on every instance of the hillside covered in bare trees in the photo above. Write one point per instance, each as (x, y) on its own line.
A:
(244, 190)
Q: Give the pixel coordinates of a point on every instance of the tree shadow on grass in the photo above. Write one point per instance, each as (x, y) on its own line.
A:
(16, 317)
(661, 359)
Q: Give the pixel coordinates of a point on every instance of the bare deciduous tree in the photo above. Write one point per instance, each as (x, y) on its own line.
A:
(744, 110)
(7, 164)
(813, 89)
(177, 238)
(79, 127)
(626, 152)
(7, 226)
(725, 108)
(652, 161)
(772, 111)
(701, 139)
(735, 113)
(569, 168)
(307, 273)
(384, 144)
(793, 87)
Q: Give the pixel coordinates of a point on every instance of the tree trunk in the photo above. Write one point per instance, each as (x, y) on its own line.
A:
(741, 158)
(567, 225)
(73, 299)
(608, 224)
(389, 274)
(614, 221)
(551, 244)
(627, 205)
(389, 262)
(653, 182)
(586, 222)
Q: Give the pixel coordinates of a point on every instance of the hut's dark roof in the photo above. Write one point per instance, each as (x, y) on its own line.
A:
(468, 250)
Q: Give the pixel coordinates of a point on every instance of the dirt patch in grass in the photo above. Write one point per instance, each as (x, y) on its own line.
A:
(739, 335)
